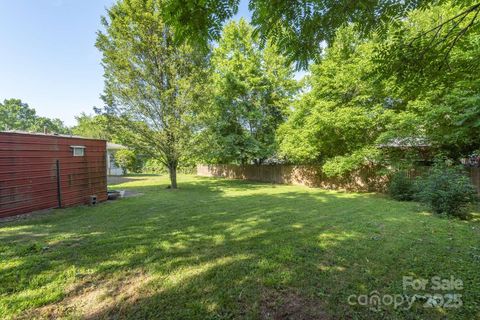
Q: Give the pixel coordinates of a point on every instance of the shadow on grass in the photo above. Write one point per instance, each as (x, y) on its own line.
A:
(228, 249)
(116, 180)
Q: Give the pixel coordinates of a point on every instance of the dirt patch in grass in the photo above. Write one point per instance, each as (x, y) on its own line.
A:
(95, 299)
(279, 305)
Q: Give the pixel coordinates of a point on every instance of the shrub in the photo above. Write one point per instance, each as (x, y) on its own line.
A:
(447, 190)
(154, 166)
(128, 160)
(401, 187)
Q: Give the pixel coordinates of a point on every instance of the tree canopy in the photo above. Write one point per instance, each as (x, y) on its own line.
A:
(297, 27)
(17, 115)
(93, 126)
(344, 109)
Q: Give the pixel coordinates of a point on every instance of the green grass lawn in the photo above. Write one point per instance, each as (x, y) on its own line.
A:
(220, 249)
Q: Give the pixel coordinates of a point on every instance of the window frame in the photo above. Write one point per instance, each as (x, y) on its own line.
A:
(75, 149)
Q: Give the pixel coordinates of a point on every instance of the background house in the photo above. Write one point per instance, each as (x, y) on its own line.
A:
(112, 168)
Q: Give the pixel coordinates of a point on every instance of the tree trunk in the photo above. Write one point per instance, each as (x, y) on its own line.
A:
(172, 170)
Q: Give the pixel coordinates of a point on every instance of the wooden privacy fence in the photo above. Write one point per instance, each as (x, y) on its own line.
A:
(308, 175)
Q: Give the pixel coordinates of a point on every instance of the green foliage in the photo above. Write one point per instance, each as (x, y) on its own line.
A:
(322, 131)
(433, 75)
(251, 91)
(451, 121)
(432, 48)
(17, 115)
(152, 85)
(447, 190)
(153, 166)
(296, 27)
(127, 160)
(197, 22)
(401, 187)
(343, 111)
(299, 26)
(341, 166)
(366, 88)
(357, 97)
(96, 126)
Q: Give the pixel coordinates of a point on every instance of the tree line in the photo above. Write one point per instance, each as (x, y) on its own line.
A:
(186, 88)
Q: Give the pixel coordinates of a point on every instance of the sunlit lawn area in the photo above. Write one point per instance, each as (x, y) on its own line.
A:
(220, 249)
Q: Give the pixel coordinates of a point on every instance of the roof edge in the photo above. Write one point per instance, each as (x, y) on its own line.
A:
(48, 135)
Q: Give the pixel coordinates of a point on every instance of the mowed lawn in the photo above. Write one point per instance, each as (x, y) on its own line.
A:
(222, 249)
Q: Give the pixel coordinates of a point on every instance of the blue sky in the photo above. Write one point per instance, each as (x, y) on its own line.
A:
(47, 54)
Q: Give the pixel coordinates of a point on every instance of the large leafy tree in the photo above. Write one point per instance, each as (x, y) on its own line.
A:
(251, 90)
(17, 115)
(344, 109)
(151, 83)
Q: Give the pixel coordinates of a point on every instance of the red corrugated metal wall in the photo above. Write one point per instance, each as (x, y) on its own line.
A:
(28, 172)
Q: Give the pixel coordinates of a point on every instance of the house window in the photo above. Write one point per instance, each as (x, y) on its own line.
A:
(78, 151)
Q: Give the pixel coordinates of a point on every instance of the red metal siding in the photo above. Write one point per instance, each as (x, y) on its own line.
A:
(28, 178)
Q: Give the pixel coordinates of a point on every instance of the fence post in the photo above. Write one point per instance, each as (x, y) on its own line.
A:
(59, 188)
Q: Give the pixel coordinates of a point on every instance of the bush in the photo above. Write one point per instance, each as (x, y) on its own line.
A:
(401, 187)
(128, 160)
(447, 190)
(154, 166)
